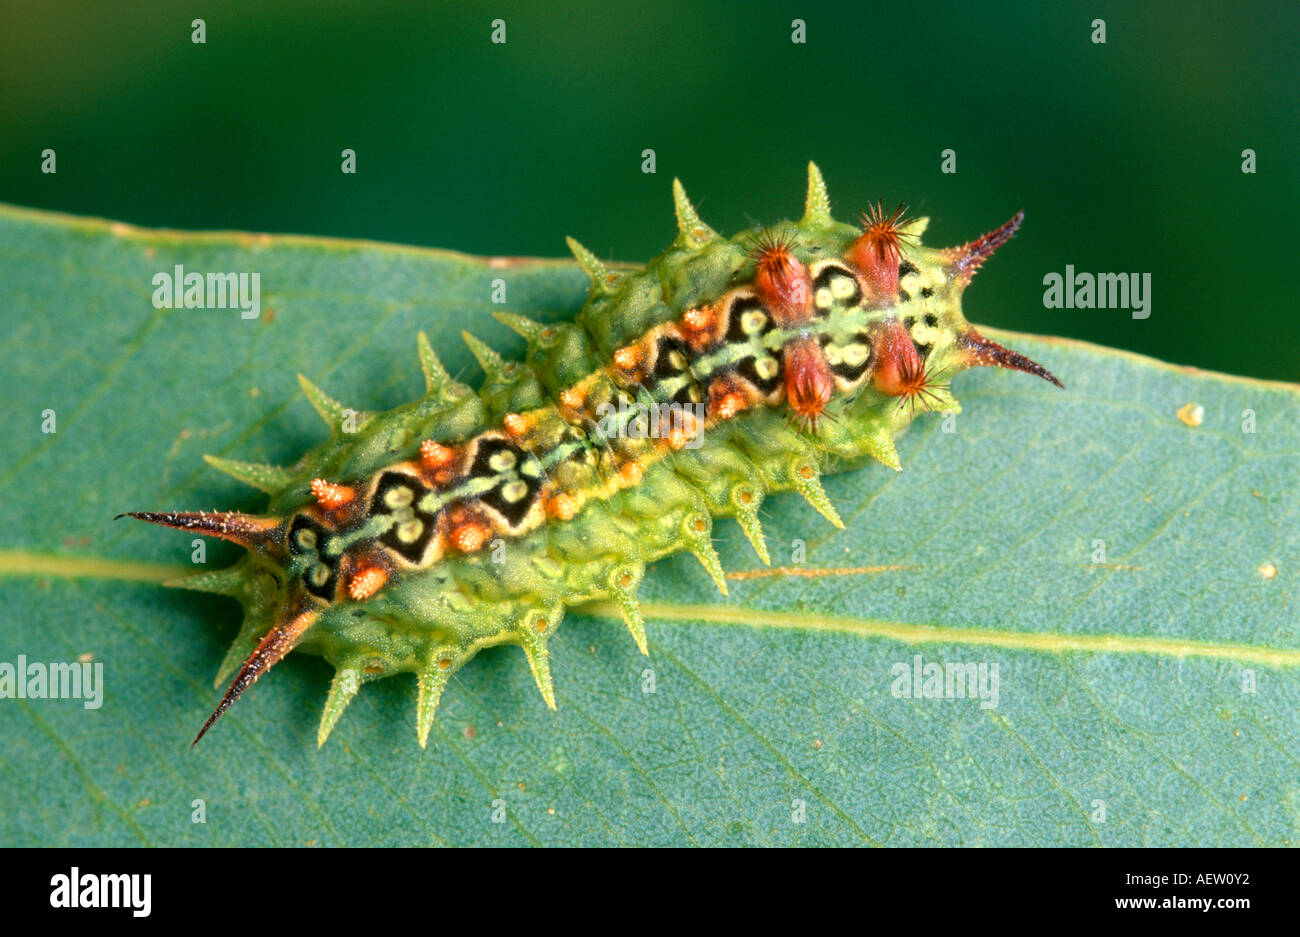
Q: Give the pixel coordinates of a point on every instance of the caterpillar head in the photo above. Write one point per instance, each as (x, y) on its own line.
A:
(264, 537)
(922, 335)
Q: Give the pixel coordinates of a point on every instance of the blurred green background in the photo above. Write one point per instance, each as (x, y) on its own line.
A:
(1125, 156)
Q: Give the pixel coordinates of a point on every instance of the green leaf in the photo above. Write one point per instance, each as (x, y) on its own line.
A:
(1150, 696)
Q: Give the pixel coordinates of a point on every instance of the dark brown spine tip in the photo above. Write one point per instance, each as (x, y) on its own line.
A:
(968, 258)
(1032, 368)
(979, 351)
(278, 642)
(245, 529)
(253, 668)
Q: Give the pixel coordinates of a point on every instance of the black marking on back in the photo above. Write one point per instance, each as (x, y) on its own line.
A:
(667, 345)
(748, 369)
(688, 394)
(488, 448)
(851, 372)
(513, 511)
(324, 590)
(495, 498)
(412, 550)
(832, 271)
(735, 326)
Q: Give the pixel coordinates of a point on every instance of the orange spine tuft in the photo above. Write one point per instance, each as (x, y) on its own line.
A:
(515, 424)
(366, 582)
(331, 496)
(438, 460)
(469, 535)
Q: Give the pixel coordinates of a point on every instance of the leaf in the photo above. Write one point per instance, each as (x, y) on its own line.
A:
(1149, 697)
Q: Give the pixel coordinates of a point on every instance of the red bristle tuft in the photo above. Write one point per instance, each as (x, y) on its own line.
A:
(808, 381)
(901, 371)
(781, 279)
(878, 251)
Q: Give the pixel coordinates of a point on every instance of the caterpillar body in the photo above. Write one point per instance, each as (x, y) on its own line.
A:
(725, 370)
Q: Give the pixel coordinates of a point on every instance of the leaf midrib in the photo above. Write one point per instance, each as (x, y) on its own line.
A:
(26, 563)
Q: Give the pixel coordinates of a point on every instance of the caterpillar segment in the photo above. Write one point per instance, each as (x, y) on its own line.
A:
(724, 371)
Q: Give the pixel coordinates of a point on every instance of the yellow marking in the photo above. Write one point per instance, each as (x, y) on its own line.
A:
(842, 287)
(855, 354)
(752, 321)
(515, 491)
(823, 298)
(410, 531)
(307, 538)
(502, 461)
(926, 335)
(398, 497)
(766, 368)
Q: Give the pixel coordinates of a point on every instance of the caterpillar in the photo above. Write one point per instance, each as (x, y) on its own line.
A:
(723, 371)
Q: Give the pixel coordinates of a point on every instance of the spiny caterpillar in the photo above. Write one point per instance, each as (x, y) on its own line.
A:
(413, 539)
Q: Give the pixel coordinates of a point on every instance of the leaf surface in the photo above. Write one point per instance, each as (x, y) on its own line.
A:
(1133, 579)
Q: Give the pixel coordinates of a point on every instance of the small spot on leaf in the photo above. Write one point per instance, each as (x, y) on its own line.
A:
(1192, 414)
